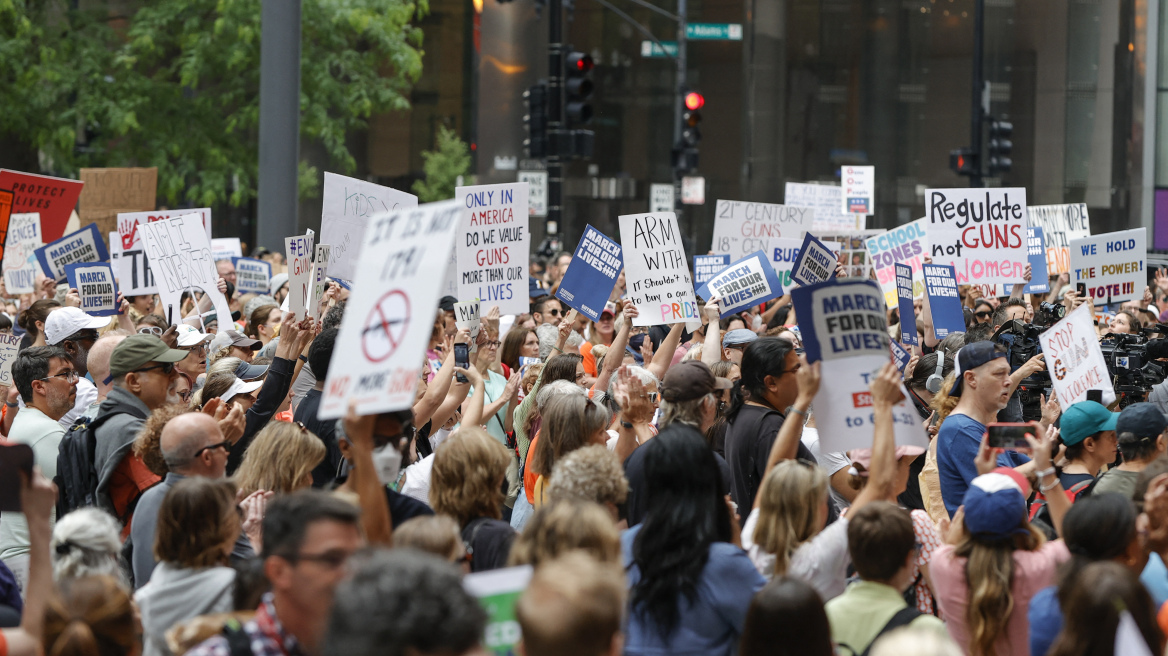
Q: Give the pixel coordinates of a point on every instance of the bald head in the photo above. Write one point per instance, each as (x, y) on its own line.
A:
(99, 359)
(183, 437)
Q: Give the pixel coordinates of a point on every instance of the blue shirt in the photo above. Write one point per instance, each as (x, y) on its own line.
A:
(957, 442)
(714, 621)
(1155, 579)
(1046, 620)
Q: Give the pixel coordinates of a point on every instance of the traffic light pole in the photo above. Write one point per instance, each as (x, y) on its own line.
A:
(976, 116)
(679, 101)
(557, 136)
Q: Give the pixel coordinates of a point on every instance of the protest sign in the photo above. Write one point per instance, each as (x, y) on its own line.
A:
(656, 274)
(859, 189)
(1074, 359)
(20, 267)
(904, 294)
(85, 245)
(5, 215)
(52, 198)
(348, 206)
(741, 228)
(783, 253)
(225, 248)
(180, 257)
(493, 245)
(1036, 254)
(906, 244)
(320, 271)
(707, 266)
(107, 192)
(9, 345)
(745, 283)
(1060, 224)
(390, 315)
(826, 200)
(498, 591)
(133, 271)
(944, 300)
(94, 281)
(251, 275)
(981, 232)
(900, 355)
(814, 264)
(466, 316)
(853, 250)
(1111, 265)
(592, 273)
(842, 324)
(299, 258)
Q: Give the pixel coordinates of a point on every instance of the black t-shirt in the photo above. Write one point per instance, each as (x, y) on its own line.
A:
(403, 508)
(1071, 480)
(326, 430)
(748, 446)
(637, 503)
(490, 543)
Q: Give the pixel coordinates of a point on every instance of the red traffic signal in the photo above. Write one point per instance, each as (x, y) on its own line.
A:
(694, 100)
(579, 62)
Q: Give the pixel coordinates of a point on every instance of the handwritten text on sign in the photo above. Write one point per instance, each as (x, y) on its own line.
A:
(493, 245)
(180, 255)
(1060, 224)
(24, 237)
(1074, 359)
(740, 228)
(299, 253)
(133, 270)
(9, 345)
(1111, 264)
(348, 206)
(981, 232)
(656, 271)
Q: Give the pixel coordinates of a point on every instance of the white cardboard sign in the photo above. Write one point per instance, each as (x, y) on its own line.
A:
(225, 248)
(20, 265)
(320, 266)
(1111, 265)
(9, 345)
(180, 256)
(980, 231)
(493, 245)
(349, 205)
(390, 315)
(1060, 225)
(1074, 359)
(826, 200)
(299, 255)
(466, 316)
(741, 228)
(656, 271)
(133, 271)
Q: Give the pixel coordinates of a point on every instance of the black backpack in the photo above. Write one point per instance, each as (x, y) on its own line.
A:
(76, 477)
(903, 617)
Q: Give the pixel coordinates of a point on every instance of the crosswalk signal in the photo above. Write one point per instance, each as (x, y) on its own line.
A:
(535, 121)
(963, 161)
(999, 147)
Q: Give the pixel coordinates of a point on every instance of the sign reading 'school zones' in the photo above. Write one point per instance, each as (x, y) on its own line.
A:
(133, 271)
(24, 237)
(981, 232)
(656, 272)
(85, 245)
(906, 244)
(493, 245)
(348, 206)
(741, 228)
(94, 282)
(180, 255)
(592, 274)
(1111, 265)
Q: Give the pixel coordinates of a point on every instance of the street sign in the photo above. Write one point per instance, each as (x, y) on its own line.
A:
(537, 196)
(660, 197)
(713, 31)
(693, 190)
(651, 50)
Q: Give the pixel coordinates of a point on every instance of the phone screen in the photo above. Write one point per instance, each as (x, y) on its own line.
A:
(1081, 289)
(1010, 436)
(14, 458)
(461, 359)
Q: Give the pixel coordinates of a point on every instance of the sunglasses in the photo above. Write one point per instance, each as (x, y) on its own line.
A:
(982, 315)
(225, 445)
(166, 367)
(150, 330)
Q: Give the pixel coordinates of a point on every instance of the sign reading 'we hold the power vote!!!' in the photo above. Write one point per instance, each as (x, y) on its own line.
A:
(981, 232)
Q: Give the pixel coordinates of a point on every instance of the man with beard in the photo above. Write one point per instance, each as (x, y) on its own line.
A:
(47, 382)
(142, 369)
(75, 332)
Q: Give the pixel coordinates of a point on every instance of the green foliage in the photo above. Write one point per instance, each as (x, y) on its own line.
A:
(175, 84)
(443, 165)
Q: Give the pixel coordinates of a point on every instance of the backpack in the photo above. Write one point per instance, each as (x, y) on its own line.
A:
(1039, 504)
(77, 477)
(903, 617)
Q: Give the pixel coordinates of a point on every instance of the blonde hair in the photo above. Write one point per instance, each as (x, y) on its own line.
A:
(90, 615)
(566, 525)
(279, 459)
(569, 422)
(467, 475)
(915, 641)
(572, 607)
(989, 573)
(788, 509)
(436, 534)
(942, 402)
(592, 473)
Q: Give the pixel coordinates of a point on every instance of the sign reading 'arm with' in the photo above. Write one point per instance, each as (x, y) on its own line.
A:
(656, 270)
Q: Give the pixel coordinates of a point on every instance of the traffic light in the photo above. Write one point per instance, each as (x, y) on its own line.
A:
(578, 87)
(690, 134)
(535, 121)
(963, 161)
(999, 147)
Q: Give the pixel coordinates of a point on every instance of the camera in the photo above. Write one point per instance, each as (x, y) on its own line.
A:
(1021, 343)
(1049, 313)
(1132, 369)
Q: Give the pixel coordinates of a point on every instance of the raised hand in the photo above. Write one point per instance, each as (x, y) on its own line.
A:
(885, 386)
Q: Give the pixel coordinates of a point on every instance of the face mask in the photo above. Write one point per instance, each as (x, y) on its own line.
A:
(387, 462)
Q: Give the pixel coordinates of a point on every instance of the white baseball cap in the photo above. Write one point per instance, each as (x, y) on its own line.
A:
(190, 336)
(65, 321)
(240, 387)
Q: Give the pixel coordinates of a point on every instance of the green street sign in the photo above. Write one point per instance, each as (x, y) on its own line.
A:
(651, 49)
(714, 31)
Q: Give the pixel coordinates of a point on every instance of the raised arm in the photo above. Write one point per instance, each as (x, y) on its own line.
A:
(712, 345)
(472, 412)
(882, 476)
(617, 349)
(37, 498)
(786, 445)
(1048, 481)
(636, 413)
(439, 388)
(663, 357)
(375, 517)
(1020, 288)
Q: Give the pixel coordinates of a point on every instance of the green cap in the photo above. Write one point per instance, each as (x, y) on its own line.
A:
(1083, 420)
(136, 350)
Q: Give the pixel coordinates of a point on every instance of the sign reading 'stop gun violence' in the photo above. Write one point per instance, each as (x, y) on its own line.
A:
(656, 272)
(493, 245)
(981, 232)
(1074, 359)
(741, 228)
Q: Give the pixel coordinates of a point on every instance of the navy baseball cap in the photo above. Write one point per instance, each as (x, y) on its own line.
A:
(972, 356)
(1141, 420)
(995, 506)
(534, 291)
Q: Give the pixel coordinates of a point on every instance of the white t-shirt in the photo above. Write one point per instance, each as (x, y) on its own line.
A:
(417, 483)
(830, 462)
(822, 561)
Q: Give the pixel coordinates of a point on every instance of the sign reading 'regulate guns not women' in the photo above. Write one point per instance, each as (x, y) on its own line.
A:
(656, 271)
(493, 245)
(981, 232)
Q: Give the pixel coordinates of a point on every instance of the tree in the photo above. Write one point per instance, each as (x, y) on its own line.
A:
(443, 166)
(175, 84)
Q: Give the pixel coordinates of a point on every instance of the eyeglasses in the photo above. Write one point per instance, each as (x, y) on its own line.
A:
(166, 367)
(554, 313)
(493, 343)
(983, 314)
(69, 376)
(225, 445)
(333, 559)
(198, 349)
(86, 336)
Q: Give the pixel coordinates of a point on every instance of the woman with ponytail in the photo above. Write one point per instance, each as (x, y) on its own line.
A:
(91, 616)
(32, 320)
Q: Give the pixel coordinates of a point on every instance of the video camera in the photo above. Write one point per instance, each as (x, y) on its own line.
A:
(1132, 363)
(1021, 342)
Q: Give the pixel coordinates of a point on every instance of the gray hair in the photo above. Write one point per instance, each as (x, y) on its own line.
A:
(684, 412)
(86, 543)
(646, 376)
(554, 389)
(549, 333)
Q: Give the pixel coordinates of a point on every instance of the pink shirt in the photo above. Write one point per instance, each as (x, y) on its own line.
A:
(1033, 571)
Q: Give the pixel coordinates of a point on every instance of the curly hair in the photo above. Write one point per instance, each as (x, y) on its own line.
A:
(563, 526)
(279, 459)
(148, 443)
(592, 473)
(467, 476)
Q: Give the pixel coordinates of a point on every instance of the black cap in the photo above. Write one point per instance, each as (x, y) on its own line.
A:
(1141, 420)
(972, 356)
(447, 303)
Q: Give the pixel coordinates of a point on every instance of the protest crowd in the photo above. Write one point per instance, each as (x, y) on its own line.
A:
(574, 466)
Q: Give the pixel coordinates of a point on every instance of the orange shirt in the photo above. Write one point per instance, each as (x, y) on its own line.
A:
(130, 479)
(530, 477)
